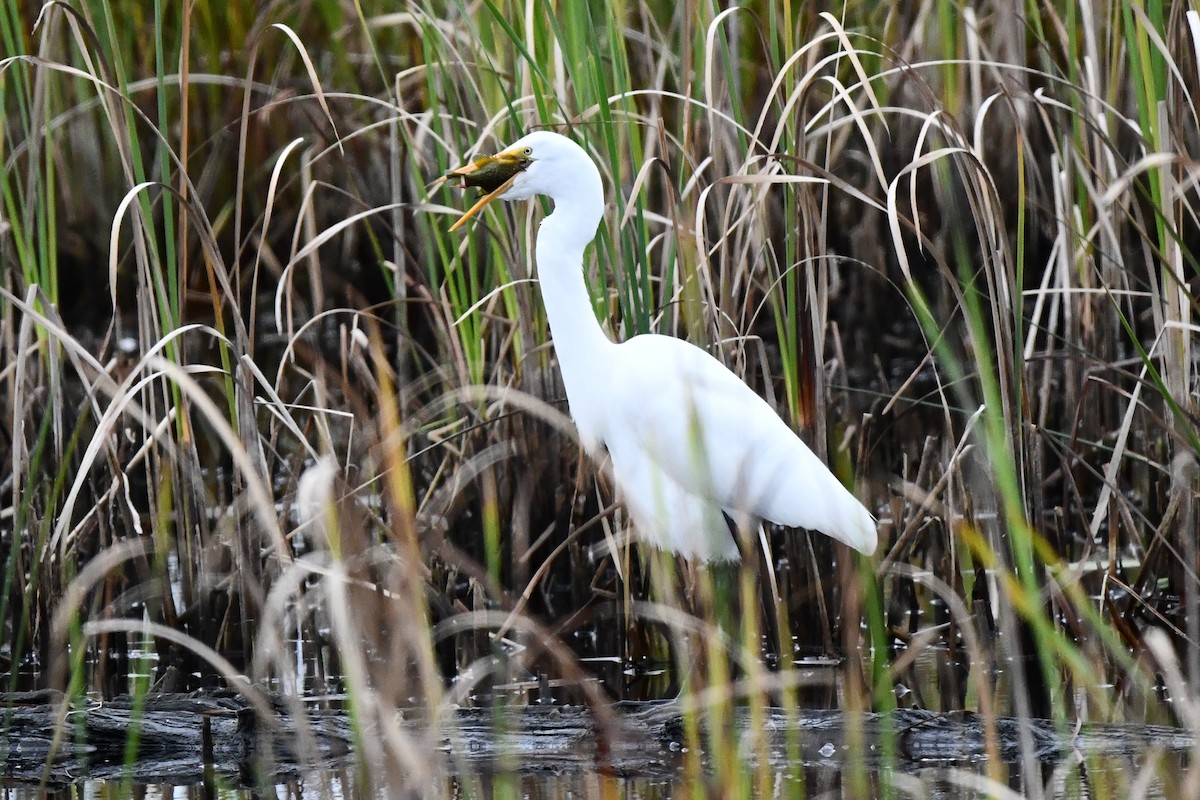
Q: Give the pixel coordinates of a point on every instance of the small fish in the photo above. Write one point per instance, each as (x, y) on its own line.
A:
(494, 175)
(487, 172)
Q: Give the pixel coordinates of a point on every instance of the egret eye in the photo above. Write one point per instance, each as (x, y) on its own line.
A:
(528, 151)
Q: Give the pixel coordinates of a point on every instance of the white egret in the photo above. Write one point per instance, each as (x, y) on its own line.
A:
(689, 441)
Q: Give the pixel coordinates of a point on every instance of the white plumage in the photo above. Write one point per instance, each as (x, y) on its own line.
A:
(687, 438)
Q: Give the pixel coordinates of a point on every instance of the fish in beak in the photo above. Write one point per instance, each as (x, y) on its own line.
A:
(493, 174)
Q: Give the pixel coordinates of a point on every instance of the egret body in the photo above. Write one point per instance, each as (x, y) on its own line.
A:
(690, 443)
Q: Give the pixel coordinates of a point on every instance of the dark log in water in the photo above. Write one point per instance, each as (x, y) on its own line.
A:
(188, 738)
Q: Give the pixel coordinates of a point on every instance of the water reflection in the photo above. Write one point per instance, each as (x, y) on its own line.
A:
(926, 680)
(1154, 776)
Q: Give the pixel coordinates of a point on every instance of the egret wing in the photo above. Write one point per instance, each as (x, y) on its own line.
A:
(664, 513)
(711, 434)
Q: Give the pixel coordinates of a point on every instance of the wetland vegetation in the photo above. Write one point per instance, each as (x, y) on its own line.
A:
(268, 424)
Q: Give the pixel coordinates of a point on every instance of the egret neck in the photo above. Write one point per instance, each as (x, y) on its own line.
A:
(582, 348)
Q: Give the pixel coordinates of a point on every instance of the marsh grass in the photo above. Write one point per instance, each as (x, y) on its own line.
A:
(954, 247)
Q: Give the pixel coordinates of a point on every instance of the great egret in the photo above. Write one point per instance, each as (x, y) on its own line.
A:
(689, 441)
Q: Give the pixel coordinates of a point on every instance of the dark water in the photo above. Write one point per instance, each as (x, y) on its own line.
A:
(1150, 776)
(822, 771)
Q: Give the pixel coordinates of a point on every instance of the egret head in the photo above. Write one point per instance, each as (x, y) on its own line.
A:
(541, 162)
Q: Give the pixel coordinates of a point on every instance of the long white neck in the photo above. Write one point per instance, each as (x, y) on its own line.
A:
(579, 341)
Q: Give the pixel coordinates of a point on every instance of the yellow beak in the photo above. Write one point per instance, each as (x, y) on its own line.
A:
(493, 174)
